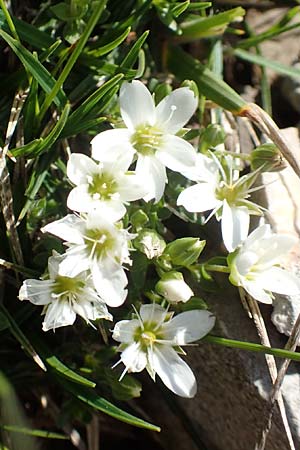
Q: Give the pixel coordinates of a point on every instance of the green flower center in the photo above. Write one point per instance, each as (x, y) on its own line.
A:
(147, 139)
(102, 186)
(228, 192)
(99, 243)
(148, 335)
(66, 287)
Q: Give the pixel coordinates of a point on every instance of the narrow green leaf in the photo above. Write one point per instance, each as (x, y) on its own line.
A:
(28, 33)
(98, 7)
(133, 54)
(198, 6)
(37, 70)
(100, 51)
(209, 84)
(90, 398)
(38, 146)
(21, 338)
(93, 100)
(250, 346)
(255, 40)
(62, 369)
(179, 8)
(200, 27)
(262, 61)
(39, 172)
(35, 432)
(85, 125)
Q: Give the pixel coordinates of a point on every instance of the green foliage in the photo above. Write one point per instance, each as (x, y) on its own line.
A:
(67, 61)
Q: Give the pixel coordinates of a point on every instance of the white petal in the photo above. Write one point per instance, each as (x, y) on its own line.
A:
(173, 371)
(188, 326)
(110, 281)
(153, 313)
(272, 248)
(257, 292)
(91, 311)
(176, 109)
(244, 261)
(108, 145)
(280, 281)
(137, 105)
(75, 262)
(79, 167)
(198, 198)
(131, 187)
(259, 233)
(125, 330)
(176, 154)
(205, 170)
(134, 358)
(79, 199)
(153, 172)
(37, 292)
(235, 225)
(59, 314)
(53, 264)
(69, 228)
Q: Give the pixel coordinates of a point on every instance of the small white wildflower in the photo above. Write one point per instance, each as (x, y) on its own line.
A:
(151, 134)
(64, 297)
(222, 191)
(173, 287)
(104, 186)
(254, 265)
(98, 245)
(153, 339)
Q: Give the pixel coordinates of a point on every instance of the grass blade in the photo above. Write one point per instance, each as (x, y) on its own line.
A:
(36, 69)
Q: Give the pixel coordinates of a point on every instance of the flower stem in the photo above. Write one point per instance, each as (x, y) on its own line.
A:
(216, 268)
(250, 346)
(242, 156)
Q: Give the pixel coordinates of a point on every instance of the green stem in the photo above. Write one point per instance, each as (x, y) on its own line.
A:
(216, 268)
(17, 268)
(242, 156)
(74, 56)
(281, 353)
(9, 20)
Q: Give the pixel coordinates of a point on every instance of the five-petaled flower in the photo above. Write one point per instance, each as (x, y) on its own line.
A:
(153, 339)
(151, 135)
(104, 186)
(254, 265)
(220, 189)
(98, 245)
(64, 297)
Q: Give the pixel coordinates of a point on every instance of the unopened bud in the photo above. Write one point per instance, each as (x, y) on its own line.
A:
(173, 288)
(192, 86)
(139, 218)
(150, 243)
(267, 157)
(212, 136)
(184, 251)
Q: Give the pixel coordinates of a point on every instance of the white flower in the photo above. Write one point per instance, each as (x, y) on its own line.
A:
(173, 287)
(64, 297)
(105, 186)
(253, 265)
(151, 134)
(153, 339)
(98, 245)
(221, 190)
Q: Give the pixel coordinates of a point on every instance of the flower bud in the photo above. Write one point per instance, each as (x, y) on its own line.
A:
(184, 251)
(173, 288)
(139, 218)
(192, 86)
(150, 243)
(267, 157)
(212, 136)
